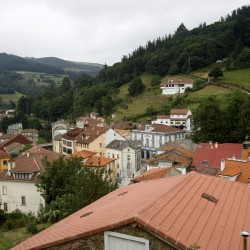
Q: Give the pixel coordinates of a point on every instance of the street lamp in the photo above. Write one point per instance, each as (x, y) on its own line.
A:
(245, 235)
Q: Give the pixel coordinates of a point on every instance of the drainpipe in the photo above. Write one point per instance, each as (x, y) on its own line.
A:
(245, 235)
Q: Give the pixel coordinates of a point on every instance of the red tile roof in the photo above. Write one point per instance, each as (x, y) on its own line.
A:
(152, 174)
(3, 154)
(163, 116)
(17, 139)
(95, 161)
(178, 111)
(240, 168)
(210, 156)
(177, 81)
(83, 154)
(182, 210)
(161, 128)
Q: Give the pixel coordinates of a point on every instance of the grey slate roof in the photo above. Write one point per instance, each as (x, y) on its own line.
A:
(119, 144)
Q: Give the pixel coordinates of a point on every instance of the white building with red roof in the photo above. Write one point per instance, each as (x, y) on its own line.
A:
(179, 118)
(18, 185)
(154, 136)
(175, 86)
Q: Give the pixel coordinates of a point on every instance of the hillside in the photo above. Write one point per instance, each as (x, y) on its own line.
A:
(17, 63)
(84, 67)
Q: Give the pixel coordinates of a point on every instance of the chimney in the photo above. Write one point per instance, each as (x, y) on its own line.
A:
(216, 145)
(28, 154)
(222, 164)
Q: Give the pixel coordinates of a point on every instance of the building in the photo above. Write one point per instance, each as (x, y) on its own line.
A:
(154, 136)
(192, 211)
(179, 118)
(171, 155)
(18, 185)
(208, 156)
(235, 170)
(175, 86)
(128, 157)
(30, 134)
(4, 160)
(58, 129)
(92, 160)
(82, 121)
(15, 128)
(156, 173)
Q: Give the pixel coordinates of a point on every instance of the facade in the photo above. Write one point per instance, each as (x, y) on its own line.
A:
(58, 129)
(30, 134)
(154, 136)
(15, 128)
(128, 157)
(175, 86)
(179, 118)
(192, 211)
(18, 185)
(93, 120)
(4, 160)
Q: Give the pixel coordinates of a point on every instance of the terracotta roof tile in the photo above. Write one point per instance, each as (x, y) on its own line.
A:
(16, 139)
(95, 161)
(161, 128)
(152, 174)
(237, 167)
(178, 111)
(179, 209)
(3, 154)
(84, 154)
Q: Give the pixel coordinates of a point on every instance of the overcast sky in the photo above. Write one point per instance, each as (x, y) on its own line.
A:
(98, 31)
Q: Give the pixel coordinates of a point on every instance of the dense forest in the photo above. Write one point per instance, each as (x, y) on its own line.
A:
(227, 40)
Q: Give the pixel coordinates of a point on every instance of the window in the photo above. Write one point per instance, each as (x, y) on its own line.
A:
(23, 201)
(118, 156)
(128, 157)
(117, 165)
(100, 145)
(5, 207)
(5, 163)
(108, 155)
(113, 155)
(4, 190)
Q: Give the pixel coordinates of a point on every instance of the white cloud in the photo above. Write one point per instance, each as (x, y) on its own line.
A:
(96, 30)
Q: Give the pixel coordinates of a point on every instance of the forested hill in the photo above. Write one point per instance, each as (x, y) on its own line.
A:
(188, 50)
(16, 63)
(49, 65)
(85, 67)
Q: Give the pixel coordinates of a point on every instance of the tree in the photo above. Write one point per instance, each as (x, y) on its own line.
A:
(67, 186)
(207, 121)
(136, 87)
(66, 85)
(155, 81)
(216, 72)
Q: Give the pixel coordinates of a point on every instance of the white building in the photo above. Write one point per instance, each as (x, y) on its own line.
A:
(175, 86)
(128, 155)
(154, 136)
(179, 118)
(18, 185)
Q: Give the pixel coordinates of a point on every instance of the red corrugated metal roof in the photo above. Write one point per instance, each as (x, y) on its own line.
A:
(172, 208)
(210, 156)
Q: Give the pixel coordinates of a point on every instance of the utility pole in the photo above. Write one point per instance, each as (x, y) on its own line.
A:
(245, 235)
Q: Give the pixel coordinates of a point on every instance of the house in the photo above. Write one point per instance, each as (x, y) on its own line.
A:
(30, 134)
(155, 135)
(91, 159)
(171, 155)
(128, 157)
(192, 211)
(235, 170)
(4, 160)
(156, 173)
(18, 185)
(15, 128)
(208, 156)
(179, 118)
(82, 121)
(175, 86)
(15, 145)
(58, 129)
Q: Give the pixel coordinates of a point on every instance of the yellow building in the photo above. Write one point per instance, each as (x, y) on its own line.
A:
(4, 159)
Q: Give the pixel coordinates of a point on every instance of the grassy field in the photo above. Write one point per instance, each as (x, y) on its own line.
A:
(13, 97)
(198, 96)
(240, 77)
(10, 238)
